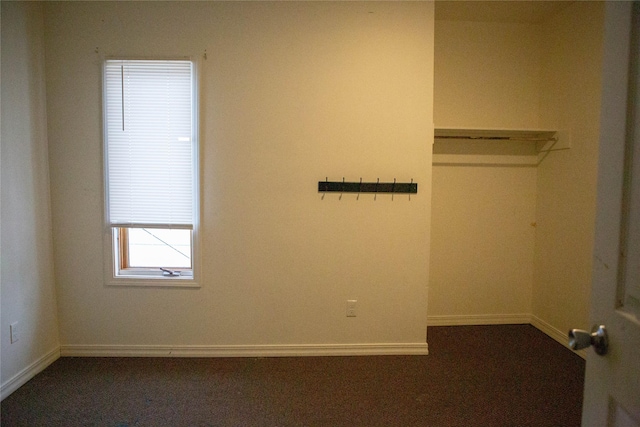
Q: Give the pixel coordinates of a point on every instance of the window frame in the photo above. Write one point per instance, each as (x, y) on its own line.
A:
(118, 274)
(122, 236)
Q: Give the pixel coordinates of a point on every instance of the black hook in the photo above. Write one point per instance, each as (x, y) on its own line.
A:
(326, 188)
(412, 186)
(393, 188)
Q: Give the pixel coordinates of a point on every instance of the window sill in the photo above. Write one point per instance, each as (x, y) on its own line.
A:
(157, 282)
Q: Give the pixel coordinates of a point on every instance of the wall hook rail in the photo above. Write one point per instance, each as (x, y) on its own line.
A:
(343, 186)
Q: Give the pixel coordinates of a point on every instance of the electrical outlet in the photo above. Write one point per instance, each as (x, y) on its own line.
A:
(13, 332)
(351, 307)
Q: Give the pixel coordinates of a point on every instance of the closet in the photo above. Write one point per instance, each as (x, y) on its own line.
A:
(516, 113)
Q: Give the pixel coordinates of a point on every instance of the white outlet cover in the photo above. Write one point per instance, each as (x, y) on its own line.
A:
(13, 331)
(351, 308)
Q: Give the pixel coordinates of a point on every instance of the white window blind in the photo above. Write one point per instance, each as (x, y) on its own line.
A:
(150, 143)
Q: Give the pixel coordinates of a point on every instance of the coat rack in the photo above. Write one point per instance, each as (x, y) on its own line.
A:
(367, 187)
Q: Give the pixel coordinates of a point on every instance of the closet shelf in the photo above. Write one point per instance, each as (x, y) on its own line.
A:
(497, 146)
(533, 135)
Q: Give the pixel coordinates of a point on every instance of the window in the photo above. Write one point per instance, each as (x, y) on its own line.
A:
(151, 167)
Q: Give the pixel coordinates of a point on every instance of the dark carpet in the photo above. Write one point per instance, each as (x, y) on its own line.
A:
(508, 375)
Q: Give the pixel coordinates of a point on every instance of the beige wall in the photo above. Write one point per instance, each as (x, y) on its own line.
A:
(291, 93)
(27, 281)
(482, 243)
(571, 79)
(487, 74)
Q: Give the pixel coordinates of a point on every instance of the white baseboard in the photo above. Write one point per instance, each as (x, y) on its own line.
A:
(245, 350)
(556, 334)
(479, 319)
(29, 372)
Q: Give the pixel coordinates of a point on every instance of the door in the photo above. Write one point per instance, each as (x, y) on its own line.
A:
(612, 382)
